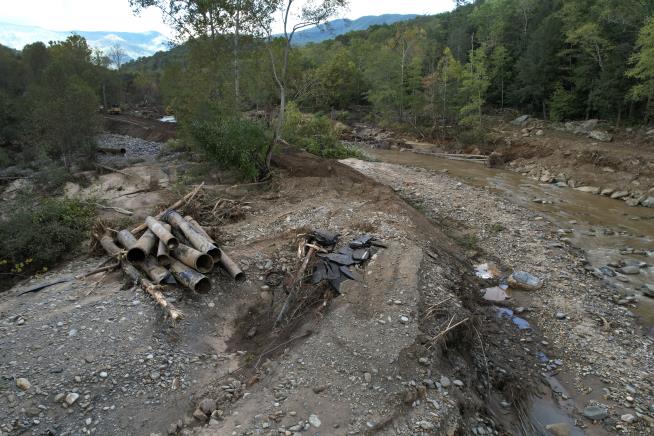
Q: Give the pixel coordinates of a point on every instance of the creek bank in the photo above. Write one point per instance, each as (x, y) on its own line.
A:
(603, 353)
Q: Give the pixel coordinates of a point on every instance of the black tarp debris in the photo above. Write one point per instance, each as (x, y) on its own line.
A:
(334, 267)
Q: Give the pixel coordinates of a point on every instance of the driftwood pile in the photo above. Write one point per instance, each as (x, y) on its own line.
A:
(166, 249)
(322, 261)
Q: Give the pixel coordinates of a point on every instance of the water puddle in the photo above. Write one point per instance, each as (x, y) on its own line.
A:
(521, 323)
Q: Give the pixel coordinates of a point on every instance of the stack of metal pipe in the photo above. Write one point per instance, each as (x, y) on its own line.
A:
(176, 249)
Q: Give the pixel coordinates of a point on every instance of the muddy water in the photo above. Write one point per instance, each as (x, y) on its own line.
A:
(600, 226)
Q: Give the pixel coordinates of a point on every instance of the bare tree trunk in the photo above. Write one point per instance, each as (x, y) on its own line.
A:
(237, 61)
(502, 80)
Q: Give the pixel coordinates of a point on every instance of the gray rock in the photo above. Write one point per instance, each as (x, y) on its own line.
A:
(71, 398)
(23, 384)
(521, 120)
(314, 421)
(596, 413)
(559, 429)
(560, 315)
(425, 425)
(200, 415)
(648, 202)
(589, 189)
(629, 270)
(600, 135)
(445, 382)
(628, 418)
(619, 194)
(207, 405)
(458, 383)
(524, 280)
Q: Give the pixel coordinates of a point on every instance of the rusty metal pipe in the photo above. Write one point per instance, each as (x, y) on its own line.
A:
(197, 239)
(147, 241)
(163, 256)
(135, 253)
(156, 272)
(110, 246)
(161, 232)
(189, 277)
(195, 259)
(230, 266)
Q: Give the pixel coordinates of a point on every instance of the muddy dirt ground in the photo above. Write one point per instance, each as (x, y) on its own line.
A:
(409, 348)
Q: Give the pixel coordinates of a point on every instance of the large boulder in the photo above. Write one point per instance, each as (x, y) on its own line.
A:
(524, 280)
(600, 135)
(589, 189)
(521, 120)
(648, 202)
(586, 127)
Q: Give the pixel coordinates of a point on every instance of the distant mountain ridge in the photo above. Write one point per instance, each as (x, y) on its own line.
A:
(342, 26)
(135, 44)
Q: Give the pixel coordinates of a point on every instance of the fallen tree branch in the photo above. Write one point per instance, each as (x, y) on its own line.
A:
(114, 170)
(115, 209)
(295, 287)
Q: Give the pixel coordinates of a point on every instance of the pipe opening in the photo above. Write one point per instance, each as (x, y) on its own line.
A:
(163, 260)
(239, 277)
(135, 255)
(204, 263)
(215, 254)
(172, 243)
(203, 285)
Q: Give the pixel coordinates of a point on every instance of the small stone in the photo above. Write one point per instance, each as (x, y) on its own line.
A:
(367, 377)
(72, 332)
(23, 384)
(445, 382)
(404, 319)
(560, 315)
(628, 418)
(424, 361)
(71, 398)
(208, 405)
(154, 375)
(630, 270)
(458, 383)
(560, 429)
(88, 421)
(200, 416)
(104, 374)
(314, 421)
(596, 413)
(426, 425)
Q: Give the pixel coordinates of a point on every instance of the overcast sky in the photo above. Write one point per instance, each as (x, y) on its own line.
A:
(116, 15)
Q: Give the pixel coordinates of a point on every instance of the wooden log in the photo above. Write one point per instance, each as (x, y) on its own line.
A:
(188, 197)
(295, 286)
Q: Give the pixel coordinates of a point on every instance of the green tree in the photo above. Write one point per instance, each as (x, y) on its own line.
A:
(474, 86)
(642, 67)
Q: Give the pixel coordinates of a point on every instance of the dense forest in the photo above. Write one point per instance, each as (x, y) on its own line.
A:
(557, 59)
(436, 76)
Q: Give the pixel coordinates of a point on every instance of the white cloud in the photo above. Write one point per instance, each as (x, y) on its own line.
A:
(117, 16)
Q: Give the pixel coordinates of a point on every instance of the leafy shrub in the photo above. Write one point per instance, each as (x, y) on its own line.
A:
(35, 238)
(234, 143)
(562, 104)
(315, 134)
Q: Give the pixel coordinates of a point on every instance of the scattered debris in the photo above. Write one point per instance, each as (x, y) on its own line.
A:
(175, 250)
(487, 271)
(525, 281)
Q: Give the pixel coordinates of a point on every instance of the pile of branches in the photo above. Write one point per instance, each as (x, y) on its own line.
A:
(322, 261)
(168, 249)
